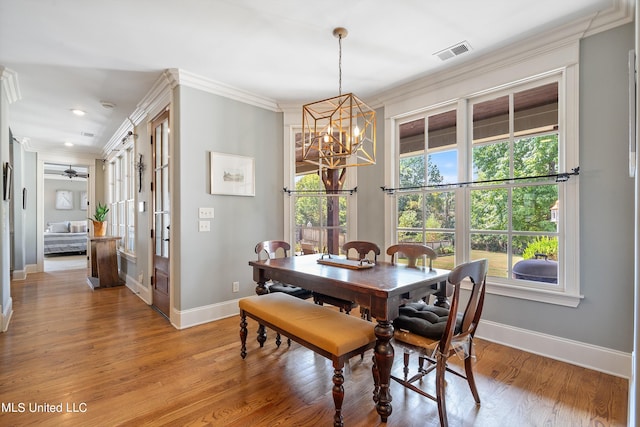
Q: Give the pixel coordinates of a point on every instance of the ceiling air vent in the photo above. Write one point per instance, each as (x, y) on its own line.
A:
(455, 50)
(87, 134)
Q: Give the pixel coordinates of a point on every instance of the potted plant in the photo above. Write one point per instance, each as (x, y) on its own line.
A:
(99, 220)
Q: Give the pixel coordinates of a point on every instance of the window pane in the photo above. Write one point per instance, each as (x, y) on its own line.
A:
(536, 155)
(443, 167)
(494, 248)
(444, 245)
(491, 120)
(489, 209)
(412, 171)
(536, 259)
(532, 207)
(410, 214)
(412, 138)
(536, 110)
(440, 210)
(491, 161)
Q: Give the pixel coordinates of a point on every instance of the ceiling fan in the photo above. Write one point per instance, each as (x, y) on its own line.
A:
(72, 173)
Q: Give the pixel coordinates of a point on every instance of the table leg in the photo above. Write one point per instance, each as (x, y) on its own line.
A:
(383, 354)
(441, 295)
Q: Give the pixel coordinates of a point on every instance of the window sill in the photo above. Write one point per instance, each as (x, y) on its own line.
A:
(127, 255)
(532, 294)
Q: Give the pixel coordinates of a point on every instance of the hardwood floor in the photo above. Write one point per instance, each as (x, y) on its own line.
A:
(114, 361)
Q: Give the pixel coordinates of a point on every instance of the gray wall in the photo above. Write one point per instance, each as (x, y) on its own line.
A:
(208, 262)
(51, 214)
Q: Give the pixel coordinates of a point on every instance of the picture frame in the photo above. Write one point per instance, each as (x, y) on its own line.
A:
(7, 180)
(232, 175)
(64, 199)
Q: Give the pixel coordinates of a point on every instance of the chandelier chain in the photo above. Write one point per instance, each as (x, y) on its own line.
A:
(340, 65)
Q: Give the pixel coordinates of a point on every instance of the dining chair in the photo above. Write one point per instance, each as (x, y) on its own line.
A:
(364, 249)
(278, 249)
(437, 334)
(413, 252)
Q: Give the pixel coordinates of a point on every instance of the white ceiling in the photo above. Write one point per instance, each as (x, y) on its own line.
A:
(73, 54)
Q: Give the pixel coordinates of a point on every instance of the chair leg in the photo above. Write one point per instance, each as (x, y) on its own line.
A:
(406, 364)
(243, 335)
(278, 340)
(441, 368)
(338, 396)
(470, 379)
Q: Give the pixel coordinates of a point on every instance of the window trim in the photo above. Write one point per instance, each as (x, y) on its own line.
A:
(125, 157)
(569, 228)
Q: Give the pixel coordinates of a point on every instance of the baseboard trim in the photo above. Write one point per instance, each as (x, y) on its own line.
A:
(139, 289)
(183, 319)
(5, 315)
(589, 356)
(19, 275)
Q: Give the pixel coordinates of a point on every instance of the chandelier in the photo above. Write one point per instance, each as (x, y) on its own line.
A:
(341, 131)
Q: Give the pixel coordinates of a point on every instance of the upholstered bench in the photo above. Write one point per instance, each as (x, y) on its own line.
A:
(331, 334)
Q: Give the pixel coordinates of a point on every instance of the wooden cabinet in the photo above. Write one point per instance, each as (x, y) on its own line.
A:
(104, 262)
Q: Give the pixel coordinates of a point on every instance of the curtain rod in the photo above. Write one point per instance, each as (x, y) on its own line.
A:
(559, 177)
(350, 192)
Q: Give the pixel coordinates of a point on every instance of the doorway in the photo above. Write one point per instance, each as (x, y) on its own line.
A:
(65, 212)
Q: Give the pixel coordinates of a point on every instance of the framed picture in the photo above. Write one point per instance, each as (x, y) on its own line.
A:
(64, 199)
(83, 200)
(232, 175)
(7, 180)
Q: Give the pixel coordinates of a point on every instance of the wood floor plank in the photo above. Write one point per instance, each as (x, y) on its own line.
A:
(118, 362)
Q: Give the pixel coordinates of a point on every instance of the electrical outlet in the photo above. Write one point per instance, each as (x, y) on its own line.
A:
(204, 226)
(140, 277)
(236, 287)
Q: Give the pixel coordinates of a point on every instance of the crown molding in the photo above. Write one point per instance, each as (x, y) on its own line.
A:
(10, 86)
(158, 97)
(185, 78)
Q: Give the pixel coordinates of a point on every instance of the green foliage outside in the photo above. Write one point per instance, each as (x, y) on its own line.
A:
(542, 245)
(313, 210)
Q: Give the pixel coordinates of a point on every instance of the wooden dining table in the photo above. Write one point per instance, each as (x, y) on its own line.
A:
(382, 288)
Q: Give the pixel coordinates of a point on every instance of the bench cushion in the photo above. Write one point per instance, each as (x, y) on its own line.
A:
(330, 330)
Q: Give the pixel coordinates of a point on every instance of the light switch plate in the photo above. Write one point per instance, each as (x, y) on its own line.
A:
(205, 213)
(204, 226)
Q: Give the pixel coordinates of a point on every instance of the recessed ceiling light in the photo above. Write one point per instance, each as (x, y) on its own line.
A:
(68, 144)
(78, 112)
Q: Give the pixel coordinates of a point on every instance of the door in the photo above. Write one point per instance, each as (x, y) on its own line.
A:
(161, 214)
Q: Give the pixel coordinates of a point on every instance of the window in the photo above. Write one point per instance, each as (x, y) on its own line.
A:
(502, 150)
(321, 207)
(121, 197)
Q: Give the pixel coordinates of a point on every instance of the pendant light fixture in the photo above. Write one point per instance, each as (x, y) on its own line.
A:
(341, 131)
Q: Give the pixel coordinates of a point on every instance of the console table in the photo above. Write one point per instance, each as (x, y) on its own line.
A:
(104, 262)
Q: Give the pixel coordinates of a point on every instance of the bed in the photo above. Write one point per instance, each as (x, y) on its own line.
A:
(65, 237)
